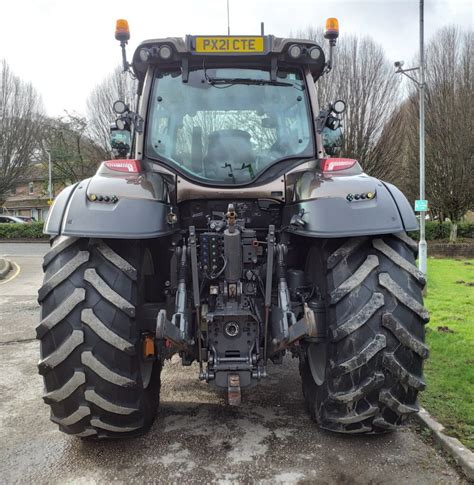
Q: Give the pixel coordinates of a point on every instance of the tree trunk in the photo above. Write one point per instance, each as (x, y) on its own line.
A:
(453, 235)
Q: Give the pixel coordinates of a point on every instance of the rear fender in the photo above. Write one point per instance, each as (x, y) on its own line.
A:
(338, 206)
(121, 206)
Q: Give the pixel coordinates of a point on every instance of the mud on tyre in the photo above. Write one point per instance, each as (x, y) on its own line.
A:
(366, 378)
(95, 381)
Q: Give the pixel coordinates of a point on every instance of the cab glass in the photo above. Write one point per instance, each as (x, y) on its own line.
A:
(227, 126)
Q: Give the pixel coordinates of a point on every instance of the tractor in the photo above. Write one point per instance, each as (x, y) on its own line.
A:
(226, 232)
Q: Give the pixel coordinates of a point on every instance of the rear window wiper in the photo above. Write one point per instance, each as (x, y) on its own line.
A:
(250, 82)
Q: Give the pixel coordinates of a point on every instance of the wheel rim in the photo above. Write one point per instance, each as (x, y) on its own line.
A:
(316, 354)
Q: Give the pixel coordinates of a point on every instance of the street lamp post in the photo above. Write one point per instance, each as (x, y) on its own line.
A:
(422, 246)
(422, 204)
(50, 182)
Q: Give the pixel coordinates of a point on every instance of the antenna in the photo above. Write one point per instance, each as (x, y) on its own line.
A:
(228, 19)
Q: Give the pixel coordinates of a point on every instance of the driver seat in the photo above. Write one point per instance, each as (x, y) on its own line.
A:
(227, 146)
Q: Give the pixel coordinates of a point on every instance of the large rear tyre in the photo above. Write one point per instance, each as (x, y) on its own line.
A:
(96, 381)
(366, 378)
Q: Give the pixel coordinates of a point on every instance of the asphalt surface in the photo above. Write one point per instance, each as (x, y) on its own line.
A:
(197, 438)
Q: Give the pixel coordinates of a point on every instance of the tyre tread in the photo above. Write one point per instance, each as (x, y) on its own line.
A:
(62, 274)
(102, 331)
(355, 279)
(404, 336)
(99, 284)
(87, 325)
(403, 297)
(376, 326)
(62, 352)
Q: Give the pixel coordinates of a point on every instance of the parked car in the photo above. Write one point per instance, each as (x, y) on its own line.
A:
(26, 218)
(12, 220)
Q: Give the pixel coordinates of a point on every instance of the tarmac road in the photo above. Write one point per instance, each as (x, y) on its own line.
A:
(197, 438)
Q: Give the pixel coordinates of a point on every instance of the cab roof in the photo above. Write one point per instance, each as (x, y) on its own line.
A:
(234, 51)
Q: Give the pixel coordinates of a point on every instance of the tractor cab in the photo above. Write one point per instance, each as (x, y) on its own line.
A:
(228, 111)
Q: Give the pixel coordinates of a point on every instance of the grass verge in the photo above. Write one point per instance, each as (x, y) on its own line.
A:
(449, 371)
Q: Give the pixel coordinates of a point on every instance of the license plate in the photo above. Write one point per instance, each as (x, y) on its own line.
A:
(233, 45)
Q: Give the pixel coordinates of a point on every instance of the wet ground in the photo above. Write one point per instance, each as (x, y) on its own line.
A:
(197, 438)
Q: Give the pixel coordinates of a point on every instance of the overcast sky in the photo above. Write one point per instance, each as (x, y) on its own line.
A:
(65, 47)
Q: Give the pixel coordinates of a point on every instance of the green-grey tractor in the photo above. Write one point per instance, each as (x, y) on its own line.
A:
(227, 233)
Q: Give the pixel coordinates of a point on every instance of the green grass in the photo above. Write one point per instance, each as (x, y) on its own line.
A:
(449, 371)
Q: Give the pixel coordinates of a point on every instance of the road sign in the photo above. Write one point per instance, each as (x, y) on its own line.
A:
(421, 205)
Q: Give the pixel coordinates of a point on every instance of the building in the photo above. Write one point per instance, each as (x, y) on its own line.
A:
(30, 197)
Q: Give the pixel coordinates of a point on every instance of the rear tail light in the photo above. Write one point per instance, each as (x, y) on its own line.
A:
(128, 166)
(335, 164)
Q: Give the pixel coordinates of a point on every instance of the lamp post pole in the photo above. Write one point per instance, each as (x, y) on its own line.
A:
(420, 82)
(422, 246)
(50, 182)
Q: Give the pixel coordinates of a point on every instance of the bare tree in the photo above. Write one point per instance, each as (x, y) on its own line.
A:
(364, 78)
(118, 85)
(449, 126)
(20, 128)
(74, 155)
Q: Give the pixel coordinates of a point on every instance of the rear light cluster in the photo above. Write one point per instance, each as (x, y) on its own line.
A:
(336, 164)
(127, 166)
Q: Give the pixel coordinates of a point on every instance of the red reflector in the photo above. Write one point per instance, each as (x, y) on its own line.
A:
(335, 164)
(129, 166)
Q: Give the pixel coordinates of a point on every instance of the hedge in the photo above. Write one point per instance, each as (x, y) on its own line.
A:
(441, 230)
(14, 230)
(434, 231)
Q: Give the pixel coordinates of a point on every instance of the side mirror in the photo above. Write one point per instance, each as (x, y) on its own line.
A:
(332, 140)
(333, 123)
(120, 140)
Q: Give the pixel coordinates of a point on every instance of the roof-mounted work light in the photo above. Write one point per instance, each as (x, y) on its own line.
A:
(166, 52)
(144, 54)
(314, 53)
(295, 51)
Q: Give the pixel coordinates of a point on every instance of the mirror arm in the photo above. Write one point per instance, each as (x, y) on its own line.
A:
(137, 122)
(322, 119)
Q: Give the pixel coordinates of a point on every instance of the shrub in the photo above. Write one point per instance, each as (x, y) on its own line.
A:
(440, 230)
(33, 230)
(466, 229)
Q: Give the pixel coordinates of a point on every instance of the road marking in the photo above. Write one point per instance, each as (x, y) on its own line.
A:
(13, 276)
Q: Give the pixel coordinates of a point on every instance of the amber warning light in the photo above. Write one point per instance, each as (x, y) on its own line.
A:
(122, 32)
(331, 31)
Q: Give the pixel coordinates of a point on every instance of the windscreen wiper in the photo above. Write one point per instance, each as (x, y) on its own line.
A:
(250, 82)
